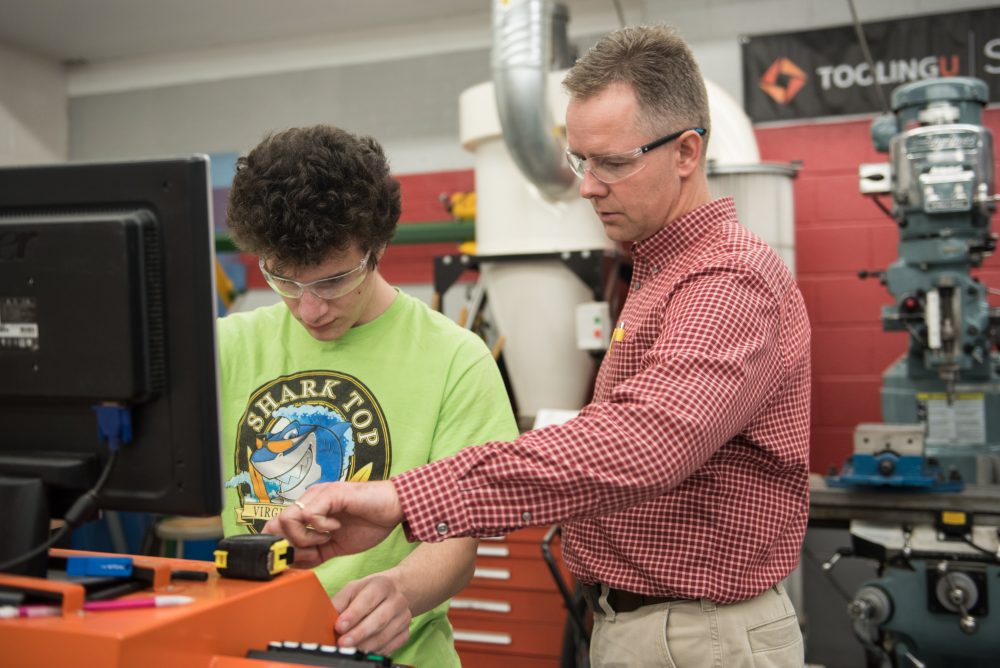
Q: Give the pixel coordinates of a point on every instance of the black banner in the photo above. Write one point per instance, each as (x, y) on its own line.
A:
(824, 72)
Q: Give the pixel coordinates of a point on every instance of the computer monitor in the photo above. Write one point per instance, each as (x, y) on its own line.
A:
(106, 297)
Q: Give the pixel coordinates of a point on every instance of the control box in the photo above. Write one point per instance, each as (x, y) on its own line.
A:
(593, 326)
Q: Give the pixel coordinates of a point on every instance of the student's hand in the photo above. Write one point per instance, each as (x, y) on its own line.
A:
(374, 616)
(338, 518)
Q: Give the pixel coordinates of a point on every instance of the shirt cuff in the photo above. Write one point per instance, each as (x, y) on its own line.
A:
(432, 504)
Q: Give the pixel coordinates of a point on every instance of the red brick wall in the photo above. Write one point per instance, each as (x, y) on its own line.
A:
(422, 203)
(421, 195)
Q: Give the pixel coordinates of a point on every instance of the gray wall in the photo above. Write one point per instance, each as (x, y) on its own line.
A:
(411, 106)
(33, 109)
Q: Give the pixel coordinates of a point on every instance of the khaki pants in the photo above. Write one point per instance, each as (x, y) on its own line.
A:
(761, 632)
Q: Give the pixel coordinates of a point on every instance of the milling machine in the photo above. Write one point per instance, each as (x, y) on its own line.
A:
(921, 485)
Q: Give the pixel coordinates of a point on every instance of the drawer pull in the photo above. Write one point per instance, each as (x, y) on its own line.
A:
(491, 573)
(480, 604)
(484, 637)
(492, 551)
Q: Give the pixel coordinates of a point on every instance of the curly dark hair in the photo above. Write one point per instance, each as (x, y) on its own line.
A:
(304, 193)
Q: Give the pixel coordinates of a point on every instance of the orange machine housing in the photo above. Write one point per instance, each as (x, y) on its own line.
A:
(227, 618)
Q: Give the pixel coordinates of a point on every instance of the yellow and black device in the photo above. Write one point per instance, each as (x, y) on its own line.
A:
(253, 556)
(953, 524)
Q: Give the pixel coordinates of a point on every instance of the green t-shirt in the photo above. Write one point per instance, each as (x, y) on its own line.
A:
(402, 390)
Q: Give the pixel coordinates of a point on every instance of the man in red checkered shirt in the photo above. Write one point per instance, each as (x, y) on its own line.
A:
(682, 488)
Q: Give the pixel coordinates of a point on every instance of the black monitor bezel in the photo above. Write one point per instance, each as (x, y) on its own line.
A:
(174, 466)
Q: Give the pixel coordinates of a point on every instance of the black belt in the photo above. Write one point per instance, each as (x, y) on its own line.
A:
(621, 600)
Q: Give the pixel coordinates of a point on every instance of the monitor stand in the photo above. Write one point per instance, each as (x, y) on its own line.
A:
(27, 526)
(33, 486)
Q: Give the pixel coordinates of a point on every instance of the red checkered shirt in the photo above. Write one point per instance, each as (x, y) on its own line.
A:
(687, 475)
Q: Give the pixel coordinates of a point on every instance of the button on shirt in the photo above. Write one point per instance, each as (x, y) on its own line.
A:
(687, 475)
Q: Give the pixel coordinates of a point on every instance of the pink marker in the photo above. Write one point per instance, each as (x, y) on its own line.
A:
(13, 612)
(130, 603)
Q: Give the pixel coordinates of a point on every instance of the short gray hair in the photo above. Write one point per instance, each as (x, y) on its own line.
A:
(659, 66)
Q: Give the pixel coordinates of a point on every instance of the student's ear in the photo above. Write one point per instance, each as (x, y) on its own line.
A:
(689, 153)
(379, 253)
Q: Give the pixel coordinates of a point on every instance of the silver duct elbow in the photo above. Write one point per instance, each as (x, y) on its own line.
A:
(522, 52)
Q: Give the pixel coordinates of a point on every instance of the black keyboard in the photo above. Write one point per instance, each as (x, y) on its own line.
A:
(314, 654)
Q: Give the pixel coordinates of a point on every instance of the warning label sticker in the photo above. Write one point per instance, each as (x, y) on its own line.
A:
(18, 324)
(962, 421)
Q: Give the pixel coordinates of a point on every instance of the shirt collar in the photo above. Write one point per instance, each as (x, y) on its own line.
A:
(677, 236)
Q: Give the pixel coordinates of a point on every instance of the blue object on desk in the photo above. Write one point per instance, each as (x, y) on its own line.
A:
(115, 567)
(888, 469)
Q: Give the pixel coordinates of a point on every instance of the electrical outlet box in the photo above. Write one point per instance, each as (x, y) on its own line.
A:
(593, 326)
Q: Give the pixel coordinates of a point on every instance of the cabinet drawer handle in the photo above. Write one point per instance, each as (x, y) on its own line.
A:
(484, 637)
(480, 604)
(491, 573)
(492, 551)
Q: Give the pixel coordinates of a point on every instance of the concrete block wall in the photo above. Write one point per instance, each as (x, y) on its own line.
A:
(410, 106)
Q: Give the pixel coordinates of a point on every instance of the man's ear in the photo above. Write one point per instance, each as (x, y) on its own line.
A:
(689, 153)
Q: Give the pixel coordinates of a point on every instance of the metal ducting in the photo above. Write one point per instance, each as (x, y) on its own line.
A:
(523, 37)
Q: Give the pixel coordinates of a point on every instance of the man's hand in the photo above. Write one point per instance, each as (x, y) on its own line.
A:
(373, 615)
(338, 518)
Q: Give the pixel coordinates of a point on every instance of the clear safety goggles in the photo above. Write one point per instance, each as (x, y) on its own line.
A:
(330, 287)
(619, 166)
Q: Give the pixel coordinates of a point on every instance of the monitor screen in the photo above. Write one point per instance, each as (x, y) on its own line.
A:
(107, 297)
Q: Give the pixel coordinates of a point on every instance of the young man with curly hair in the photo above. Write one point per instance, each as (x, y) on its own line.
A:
(348, 379)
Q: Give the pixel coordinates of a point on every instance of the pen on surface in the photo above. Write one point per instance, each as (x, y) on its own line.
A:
(13, 611)
(129, 603)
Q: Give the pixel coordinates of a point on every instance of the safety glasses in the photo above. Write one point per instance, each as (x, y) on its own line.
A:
(619, 166)
(330, 287)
